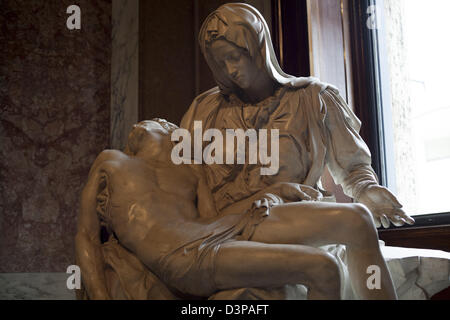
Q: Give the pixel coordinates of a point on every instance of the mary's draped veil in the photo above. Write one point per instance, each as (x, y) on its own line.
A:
(243, 25)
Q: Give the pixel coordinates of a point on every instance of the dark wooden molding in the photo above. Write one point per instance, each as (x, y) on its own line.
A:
(364, 81)
(428, 237)
(290, 36)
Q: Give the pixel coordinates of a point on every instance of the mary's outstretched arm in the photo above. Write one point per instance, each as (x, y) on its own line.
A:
(349, 161)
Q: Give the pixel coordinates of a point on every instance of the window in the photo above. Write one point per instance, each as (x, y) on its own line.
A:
(409, 55)
(417, 54)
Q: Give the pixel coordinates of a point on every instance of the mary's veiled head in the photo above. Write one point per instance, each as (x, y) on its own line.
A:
(245, 28)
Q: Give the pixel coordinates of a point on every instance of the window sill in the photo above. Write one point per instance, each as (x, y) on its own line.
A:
(435, 237)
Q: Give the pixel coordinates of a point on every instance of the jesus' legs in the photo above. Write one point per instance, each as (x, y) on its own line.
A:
(317, 224)
(248, 264)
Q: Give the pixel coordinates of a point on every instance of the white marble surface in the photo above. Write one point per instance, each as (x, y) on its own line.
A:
(35, 286)
(418, 274)
(124, 70)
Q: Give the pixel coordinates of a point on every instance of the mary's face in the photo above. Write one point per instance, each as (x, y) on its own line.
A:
(235, 63)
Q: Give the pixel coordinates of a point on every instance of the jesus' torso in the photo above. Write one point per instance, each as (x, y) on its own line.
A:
(151, 207)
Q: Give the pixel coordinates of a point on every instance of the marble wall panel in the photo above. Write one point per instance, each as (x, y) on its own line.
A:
(54, 120)
(35, 286)
(124, 70)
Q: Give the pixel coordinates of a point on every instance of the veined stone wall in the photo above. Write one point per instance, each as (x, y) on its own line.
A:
(54, 120)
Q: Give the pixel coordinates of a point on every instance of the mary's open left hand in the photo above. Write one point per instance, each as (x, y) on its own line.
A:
(384, 206)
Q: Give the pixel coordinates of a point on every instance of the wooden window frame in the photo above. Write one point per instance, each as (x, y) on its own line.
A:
(431, 231)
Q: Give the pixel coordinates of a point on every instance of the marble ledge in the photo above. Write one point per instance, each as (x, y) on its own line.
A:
(35, 286)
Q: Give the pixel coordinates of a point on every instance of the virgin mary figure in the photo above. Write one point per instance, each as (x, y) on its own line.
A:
(316, 129)
(316, 126)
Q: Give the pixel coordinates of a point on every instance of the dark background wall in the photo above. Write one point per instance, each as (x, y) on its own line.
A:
(172, 70)
(54, 120)
(167, 53)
